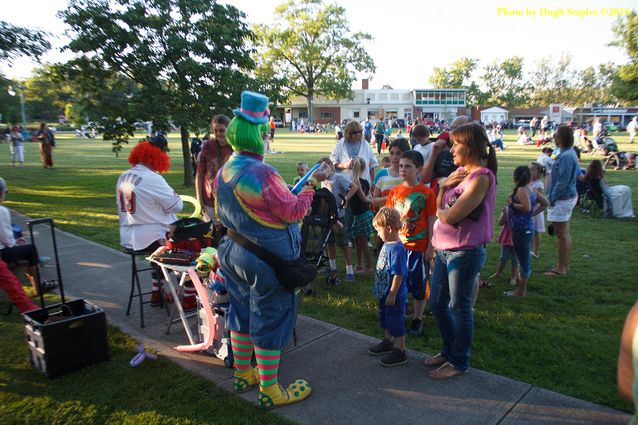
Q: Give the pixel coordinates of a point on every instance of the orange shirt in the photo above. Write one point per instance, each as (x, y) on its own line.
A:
(415, 204)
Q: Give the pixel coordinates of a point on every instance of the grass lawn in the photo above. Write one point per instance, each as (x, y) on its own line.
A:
(564, 336)
(156, 392)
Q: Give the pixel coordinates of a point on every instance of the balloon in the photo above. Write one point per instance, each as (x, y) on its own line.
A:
(210, 317)
(198, 207)
(297, 187)
(141, 355)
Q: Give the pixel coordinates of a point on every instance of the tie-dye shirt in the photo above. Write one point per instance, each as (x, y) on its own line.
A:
(263, 193)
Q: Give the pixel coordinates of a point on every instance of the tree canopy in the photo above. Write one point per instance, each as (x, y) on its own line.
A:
(18, 41)
(186, 58)
(625, 81)
(312, 51)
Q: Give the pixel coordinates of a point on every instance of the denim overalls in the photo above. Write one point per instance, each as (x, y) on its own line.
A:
(259, 306)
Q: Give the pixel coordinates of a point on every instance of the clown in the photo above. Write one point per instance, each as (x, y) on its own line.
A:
(253, 200)
(146, 204)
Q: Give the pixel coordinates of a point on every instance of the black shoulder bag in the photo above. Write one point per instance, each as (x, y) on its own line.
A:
(292, 274)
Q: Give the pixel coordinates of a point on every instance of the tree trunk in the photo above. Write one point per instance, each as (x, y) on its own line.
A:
(186, 153)
(311, 108)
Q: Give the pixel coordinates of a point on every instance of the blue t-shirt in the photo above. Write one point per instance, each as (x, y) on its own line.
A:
(520, 221)
(367, 127)
(392, 261)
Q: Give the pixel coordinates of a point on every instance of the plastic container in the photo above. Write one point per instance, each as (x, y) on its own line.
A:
(66, 343)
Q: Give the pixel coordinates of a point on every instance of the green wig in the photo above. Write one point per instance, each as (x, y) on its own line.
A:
(245, 136)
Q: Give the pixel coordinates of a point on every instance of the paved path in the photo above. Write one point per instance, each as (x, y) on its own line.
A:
(349, 387)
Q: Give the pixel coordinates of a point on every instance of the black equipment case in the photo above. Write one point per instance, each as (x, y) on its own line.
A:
(67, 336)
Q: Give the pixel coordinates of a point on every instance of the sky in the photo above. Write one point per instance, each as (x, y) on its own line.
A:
(411, 37)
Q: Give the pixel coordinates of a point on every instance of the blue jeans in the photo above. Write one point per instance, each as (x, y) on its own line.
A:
(523, 246)
(451, 301)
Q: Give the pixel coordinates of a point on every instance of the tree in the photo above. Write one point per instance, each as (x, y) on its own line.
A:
(386, 87)
(504, 82)
(625, 81)
(187, 57)
(459, 76)
(552, 83)
(312, 51)
(18, 41)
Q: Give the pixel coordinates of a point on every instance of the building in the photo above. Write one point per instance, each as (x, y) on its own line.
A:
(615, 115)
(439, 104)
(494, 114)
(387, 104)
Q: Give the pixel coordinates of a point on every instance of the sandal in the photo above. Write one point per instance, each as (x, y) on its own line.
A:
(435, 361)
(484, 284)
(446, 371)
(554, 273)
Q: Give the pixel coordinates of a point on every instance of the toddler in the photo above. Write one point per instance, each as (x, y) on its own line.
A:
(537, 186)
(390, 289)
(507, 250)
(302, 170)
(359, 199)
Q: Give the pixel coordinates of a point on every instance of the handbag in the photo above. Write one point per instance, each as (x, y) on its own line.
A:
(292, 274)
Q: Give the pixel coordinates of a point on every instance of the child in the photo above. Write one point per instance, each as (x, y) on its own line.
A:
(537, 186)
(338, 184)
(388, 178)
(391, 289)
(507, 250)
(359, 199)
(423, 144)
(385, 162)
(520, 219)
(302, 170)
(545, 160)
(416, 204)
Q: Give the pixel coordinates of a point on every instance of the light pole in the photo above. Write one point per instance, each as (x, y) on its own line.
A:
(25, 133)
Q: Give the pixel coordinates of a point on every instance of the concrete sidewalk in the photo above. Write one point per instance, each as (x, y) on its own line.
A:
(349, 386)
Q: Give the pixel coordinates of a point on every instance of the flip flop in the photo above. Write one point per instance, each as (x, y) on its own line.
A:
(552, 273)
(484, 284)
(435, 361)
(446, 371)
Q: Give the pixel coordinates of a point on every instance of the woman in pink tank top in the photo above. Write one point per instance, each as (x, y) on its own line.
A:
(465, 211)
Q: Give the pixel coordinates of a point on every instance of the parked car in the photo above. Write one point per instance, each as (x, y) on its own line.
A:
(279, 123)
(522, 123)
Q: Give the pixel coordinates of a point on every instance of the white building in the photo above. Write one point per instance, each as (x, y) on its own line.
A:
(494, 114)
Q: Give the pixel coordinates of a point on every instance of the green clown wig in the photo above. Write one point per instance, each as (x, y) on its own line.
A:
(245, 136)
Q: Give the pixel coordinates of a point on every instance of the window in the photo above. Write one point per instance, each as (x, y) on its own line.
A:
(326, 115)
(394, 96)
(355, 114)
(383, 96)
(407, 96)
(370, 96)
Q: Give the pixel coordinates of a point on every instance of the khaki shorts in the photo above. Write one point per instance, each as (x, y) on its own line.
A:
(561, 212)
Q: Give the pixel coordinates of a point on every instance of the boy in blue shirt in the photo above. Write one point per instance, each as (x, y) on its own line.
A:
(391, 289)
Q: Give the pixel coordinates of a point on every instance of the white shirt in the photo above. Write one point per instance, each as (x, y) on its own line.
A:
(424, 150)
(146, 205)
(6, 231)
(340, 154)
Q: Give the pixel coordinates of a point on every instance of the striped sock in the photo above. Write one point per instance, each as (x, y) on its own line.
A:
(268, 364)
(242, 350)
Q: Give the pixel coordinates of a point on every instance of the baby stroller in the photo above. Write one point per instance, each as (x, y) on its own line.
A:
(317, 227)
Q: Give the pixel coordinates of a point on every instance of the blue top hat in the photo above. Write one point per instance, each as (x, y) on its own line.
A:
(254, 107)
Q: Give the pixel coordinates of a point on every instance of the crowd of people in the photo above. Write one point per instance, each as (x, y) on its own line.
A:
(431, 207)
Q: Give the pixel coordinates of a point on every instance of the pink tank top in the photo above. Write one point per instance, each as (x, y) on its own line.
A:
(467, 233)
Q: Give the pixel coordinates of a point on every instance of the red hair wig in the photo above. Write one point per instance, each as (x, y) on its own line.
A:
(148, 154)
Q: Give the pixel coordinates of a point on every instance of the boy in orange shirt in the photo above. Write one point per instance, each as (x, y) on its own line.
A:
(417, 205)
